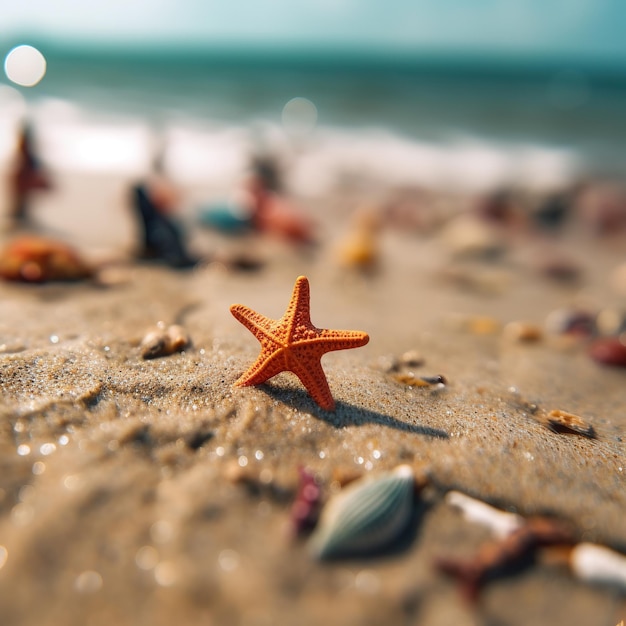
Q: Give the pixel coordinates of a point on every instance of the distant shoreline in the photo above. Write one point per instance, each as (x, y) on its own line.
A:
(453, 65)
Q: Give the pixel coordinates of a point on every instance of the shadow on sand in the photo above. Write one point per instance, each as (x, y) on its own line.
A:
(345, 414)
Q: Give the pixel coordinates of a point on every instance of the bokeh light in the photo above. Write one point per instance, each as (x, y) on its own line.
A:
(25, 66)
(299, 116)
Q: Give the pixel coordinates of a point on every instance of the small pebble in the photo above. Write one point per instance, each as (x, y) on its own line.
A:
(609, 351)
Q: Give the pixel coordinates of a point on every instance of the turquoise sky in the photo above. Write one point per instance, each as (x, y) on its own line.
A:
(590, 29)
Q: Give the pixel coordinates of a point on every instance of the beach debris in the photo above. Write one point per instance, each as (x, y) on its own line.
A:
(306, 507)
(421, 381)
(609, 351)
(293, 344)
(360, 250)
(522, 332)
(164, 340)
(499, 555)
(37, 259)
(500, 523)
(570, 321)
(598, 564)
(564, 422)
(366, 516)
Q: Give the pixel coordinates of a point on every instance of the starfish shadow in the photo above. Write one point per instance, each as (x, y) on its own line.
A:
(346, 414)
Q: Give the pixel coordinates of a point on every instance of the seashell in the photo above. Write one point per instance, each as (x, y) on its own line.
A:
(36, 259)
(367, 515)
(609, 351)
(597, 564)
(564, 422)
(162, 341)
(153, 344)
(177, 338)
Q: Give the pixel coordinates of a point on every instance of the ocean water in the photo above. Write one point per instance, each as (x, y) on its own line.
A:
(462, 123)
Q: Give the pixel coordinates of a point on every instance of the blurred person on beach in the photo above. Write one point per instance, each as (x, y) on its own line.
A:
(261, 207)
(155, 202)
(272, 212)
(27, 176)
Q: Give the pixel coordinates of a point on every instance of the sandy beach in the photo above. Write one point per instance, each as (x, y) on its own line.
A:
(138, 491)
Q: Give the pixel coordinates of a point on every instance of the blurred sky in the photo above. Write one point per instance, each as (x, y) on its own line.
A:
(590, 30)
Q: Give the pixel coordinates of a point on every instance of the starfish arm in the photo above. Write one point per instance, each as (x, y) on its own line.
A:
(298, 313)
(259, 325)
(265, 367)
(313, 378)
(332, 340)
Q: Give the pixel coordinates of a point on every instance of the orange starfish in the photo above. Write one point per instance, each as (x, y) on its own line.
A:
(293, 344)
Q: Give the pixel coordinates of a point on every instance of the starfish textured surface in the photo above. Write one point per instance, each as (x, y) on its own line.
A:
(293, 344)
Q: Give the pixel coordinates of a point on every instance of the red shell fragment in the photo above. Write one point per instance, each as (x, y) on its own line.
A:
(35, 259)
(609, 351)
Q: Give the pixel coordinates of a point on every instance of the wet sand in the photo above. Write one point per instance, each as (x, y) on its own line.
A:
(140, 491)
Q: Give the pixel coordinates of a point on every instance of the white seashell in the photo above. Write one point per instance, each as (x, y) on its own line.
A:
(500, 523)
(597, 564)
(365, 516)
(178, 338)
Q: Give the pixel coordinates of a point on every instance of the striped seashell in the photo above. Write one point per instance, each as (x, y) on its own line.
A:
(366, 516)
